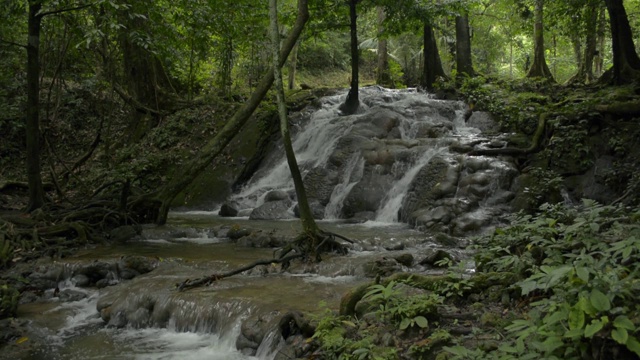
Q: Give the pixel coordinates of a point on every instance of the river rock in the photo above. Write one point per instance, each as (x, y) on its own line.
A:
(433, 256)
(381, 267)
(236, 232)
(405, 259)
(254, 330)
(133, 265)
(123, 233)
(367, 194)
(276, 195)
(273, 210)
(68, 295)
(228, 210)
(259, 239)
(317, 210)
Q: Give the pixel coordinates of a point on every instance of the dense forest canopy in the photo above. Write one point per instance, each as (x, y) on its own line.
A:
(156, 57)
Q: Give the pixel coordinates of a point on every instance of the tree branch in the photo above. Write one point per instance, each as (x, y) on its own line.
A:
(12, 43)
(59, 11)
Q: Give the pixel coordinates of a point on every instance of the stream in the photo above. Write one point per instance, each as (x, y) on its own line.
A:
(203, 323)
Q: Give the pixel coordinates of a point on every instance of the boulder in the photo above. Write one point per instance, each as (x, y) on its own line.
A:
(273, 210)
(228, 210)
(123, 233)
(433, 256)
(276, 195)
(381, 267)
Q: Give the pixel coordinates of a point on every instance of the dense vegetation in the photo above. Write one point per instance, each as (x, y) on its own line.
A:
(101, 102)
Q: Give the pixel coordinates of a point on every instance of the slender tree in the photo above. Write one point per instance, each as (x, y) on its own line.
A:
(352, 103)
(309, 225)
(539, 67)
(383, 77)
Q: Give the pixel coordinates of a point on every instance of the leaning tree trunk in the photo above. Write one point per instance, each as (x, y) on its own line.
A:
(432, 64)
(463, 46)
(309, 226)
(383, 77)
(352, 103)
(34, 178)
(215, 146)
(626, 64)
(539, 67)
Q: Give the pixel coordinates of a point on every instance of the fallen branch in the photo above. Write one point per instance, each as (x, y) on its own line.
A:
(204, 281)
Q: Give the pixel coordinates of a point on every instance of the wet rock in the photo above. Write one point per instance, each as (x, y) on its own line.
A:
(381, 267)
(259, 239)
(276, 195)
(273, 210)
(97, 271)
(123, 233)
(319, 183)
(237, 232)
(228, 210)
(395, 247)
(136, 265)
(254, 330)
(367, 194)
(405, 259)
(81, 280)
(68, 295)
(433, 256)
(446, 240)
(484, 121)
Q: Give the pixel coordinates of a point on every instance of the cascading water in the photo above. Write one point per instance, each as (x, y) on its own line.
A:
(389, 163)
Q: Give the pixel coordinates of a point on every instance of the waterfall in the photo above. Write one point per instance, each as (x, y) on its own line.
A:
(353, 174)
(388, 212)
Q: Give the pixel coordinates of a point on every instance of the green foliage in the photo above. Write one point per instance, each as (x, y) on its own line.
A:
(405, 311)
(581, 266)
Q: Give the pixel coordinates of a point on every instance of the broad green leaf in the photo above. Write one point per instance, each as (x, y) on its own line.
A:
(594, 227)
(593, 328)
(599, 300)
(620, 335)
(508, 349)
(405, 323)
(586, 306)
(456, 350)
(421, 321)
(527, 286)
(633, 345)
(623, 322)
(576, 318)
(554, 318)
(574, 333)
(582, 273)
(552, 343)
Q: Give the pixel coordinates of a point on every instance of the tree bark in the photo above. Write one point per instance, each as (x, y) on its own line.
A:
(432, 64)
(585, 62)
(383, 77)
(539, 68)
(352, 103)
(599, 58)
(213, 148)
(34, 178)
(309, 225)
(626, 64)
(293, 63)
(463, 46)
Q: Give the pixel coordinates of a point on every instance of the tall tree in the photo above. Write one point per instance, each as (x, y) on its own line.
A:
(626, 64)
(383, 77)
(309, 225)
(432, 63)
(539, 67)
(352, 103)
(585, 58)
(463, 45)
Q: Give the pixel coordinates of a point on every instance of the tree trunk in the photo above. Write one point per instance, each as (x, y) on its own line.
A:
(463, 46)
(599, 58)
(309, 225)
(213, 148)
(383, 77)
(293, 62)
(626, 64)
(585, 62)
(432, 65)
(34, 178)
(352, 103)
(539, 67)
